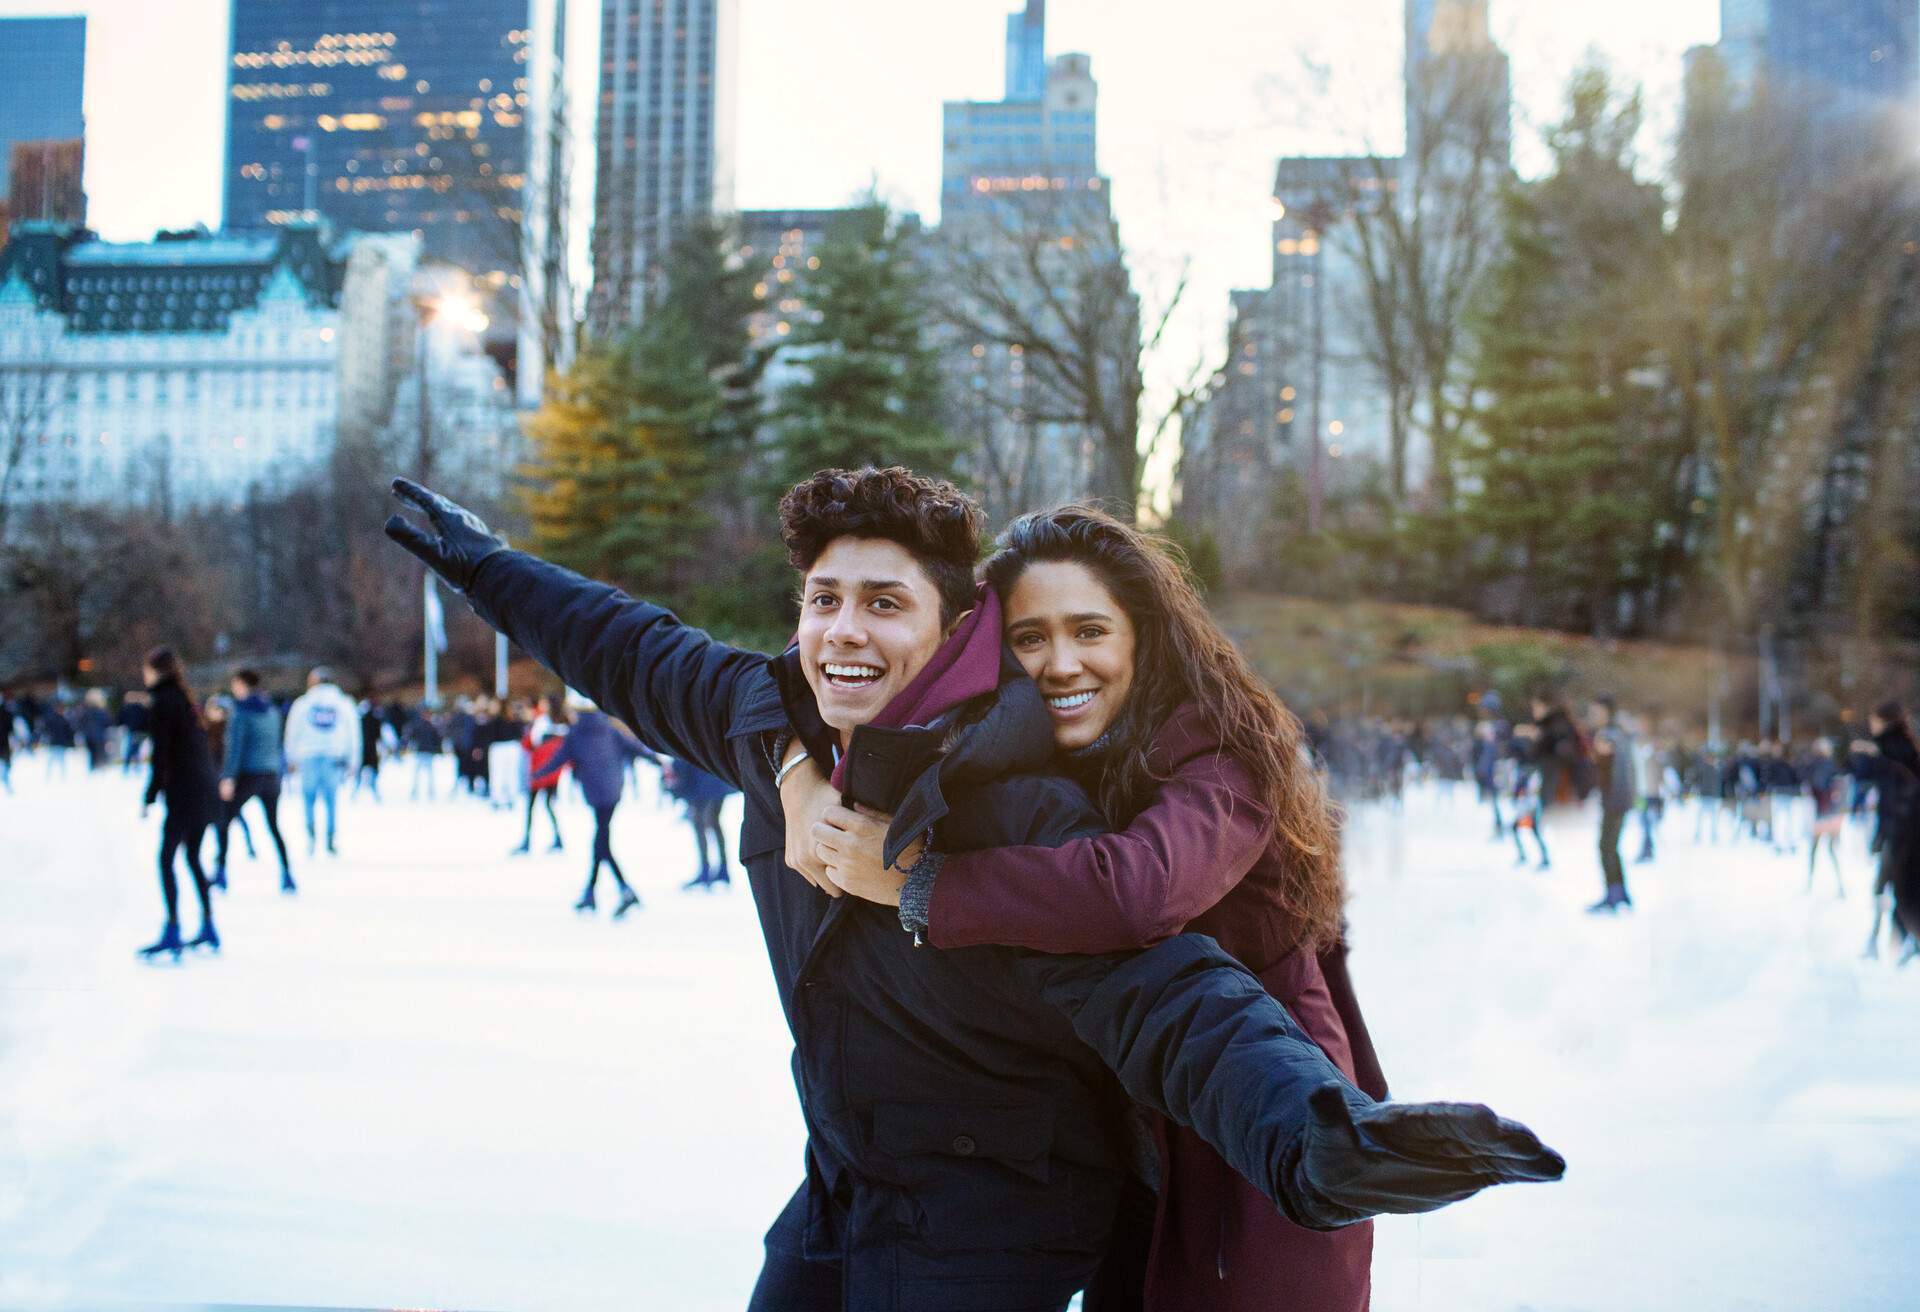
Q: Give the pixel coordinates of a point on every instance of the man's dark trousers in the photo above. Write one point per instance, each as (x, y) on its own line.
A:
(1612, 821)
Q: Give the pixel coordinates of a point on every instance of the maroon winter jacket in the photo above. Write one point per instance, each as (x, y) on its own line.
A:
(1202, 857)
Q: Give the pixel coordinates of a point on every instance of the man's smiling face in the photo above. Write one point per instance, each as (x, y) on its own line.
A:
(869, 621)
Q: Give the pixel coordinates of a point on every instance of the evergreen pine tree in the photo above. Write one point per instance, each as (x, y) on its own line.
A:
(868, 385)
(1555, 490)
(635, 442)
(622, 463)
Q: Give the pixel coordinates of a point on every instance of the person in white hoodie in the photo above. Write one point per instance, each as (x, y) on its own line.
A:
(323, 738)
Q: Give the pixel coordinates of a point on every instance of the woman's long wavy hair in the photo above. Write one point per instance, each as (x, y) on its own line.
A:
(1180, 655)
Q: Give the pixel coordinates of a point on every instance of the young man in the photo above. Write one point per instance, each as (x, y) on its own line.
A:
(323, 736)
(966, 1145)
(1613, 751)
(251, 768)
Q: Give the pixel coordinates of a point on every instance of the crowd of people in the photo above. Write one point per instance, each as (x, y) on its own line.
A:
(1778, 796)
(208, 758)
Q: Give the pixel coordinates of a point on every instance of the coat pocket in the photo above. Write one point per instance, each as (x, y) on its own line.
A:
(976, 1176)
(1019, 1138)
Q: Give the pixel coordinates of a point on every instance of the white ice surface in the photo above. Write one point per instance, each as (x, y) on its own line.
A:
(425, 1082)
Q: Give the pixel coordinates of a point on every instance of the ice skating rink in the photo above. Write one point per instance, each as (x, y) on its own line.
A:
(425, 1082)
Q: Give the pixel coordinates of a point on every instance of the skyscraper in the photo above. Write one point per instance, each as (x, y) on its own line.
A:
(665, 137)
(42, 77)
(1027, 223)
(383, 118)
(1860, 55)
(1459, 88)
(1027, 52)
(992, 149)
(1419, 21)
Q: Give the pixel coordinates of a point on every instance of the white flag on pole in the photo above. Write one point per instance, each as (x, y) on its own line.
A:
(436, 617)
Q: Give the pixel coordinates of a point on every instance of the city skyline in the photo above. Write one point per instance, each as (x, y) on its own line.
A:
(1191, 121)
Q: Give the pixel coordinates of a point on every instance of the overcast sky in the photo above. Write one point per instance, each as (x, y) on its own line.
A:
(1196, 101)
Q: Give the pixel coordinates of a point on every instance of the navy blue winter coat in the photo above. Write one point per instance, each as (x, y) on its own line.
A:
(56, 728)
(693, 785)
(598, 753)
(967, 1139)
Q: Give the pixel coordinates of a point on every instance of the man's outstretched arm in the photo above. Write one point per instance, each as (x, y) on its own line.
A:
(1194, 1036)
(672, 683)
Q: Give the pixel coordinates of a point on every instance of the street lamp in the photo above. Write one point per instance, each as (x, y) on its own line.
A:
(457, 308)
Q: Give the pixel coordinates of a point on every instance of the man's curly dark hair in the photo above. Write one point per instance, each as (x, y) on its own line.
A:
(937, 523)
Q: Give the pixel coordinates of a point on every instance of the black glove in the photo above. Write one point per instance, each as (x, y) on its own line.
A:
(1355, 1161)
(458, 543)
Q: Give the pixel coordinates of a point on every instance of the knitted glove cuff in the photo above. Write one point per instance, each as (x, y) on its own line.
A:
(916, 895)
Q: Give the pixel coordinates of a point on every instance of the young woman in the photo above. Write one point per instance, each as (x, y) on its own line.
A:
(598, 751)
(542, 743)
(1222, 828)
(182, 774)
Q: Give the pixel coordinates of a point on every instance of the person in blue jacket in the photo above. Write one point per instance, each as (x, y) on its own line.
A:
(968, 1141)
(250, 770)
(704, 795)
(598, 751)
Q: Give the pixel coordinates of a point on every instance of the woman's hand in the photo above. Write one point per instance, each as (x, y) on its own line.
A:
(805, 796)
(851, 842)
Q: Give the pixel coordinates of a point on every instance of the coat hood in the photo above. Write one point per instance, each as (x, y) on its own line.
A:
(966, 666)
(909, 772)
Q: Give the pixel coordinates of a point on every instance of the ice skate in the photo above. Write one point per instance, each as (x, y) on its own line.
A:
(208, 938)
(628, 901)
(169, 941)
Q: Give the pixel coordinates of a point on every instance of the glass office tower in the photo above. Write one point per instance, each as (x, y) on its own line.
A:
(383, 117)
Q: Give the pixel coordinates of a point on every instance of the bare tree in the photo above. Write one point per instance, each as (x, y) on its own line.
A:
(1793, 328)
(32, 391)
(87, 589)
(1409, 239)
(1035, 283)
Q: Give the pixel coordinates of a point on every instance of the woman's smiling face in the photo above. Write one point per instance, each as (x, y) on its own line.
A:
(1076, 642)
